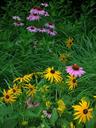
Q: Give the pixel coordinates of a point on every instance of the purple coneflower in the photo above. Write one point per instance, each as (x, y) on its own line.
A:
(51, 32)
(75, 70)
(46, 13)
(47, 114)
(33, 17)
(16, 18)
(50, 25)
(31, 29)
(37, 10)
(17, 23)
(44, 4)
(42, 30)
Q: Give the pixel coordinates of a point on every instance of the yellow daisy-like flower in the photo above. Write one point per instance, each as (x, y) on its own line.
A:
(20, 79)
(31, 90)
(69, 42)
(25, 78)
(16, 90)
(48, 104)
(94, 97)
(64, 57)
(53, 76)
(71, 82)
(83, 112)
(61, 106)
(8, 97)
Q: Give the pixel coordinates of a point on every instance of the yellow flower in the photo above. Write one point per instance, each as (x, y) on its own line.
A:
(71, 82)
(48, 104)
(52, 75)
(31, 90)
(16, 90)
(64, 57)
(19, 79)
(8, 96)
(61, 106)
(25, 78)
(69, 42)
(83, 112)
(72, 125)
(94, 97)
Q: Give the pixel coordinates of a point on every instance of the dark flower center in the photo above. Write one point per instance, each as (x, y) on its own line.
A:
(39, 9)
(14, 90)
(70, 43)
(31, 89)
(51, 30)
(85, 111)
(74, 80)
(7, 96)
(50, 23)
(52, 71)
(18, 22)
(35, 14)
(32, 27)
(75, 67)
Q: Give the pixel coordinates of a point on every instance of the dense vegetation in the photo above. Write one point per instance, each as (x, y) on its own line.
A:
(26, 57)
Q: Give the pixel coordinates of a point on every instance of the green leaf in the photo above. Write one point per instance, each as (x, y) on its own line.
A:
(46, 124)
(54, 116)
(91, 124)
(9, 123)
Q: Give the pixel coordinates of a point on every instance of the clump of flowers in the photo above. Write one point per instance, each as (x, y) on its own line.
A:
(75, 70)
(37, 98)
(17, 21)
(35, 14)
(50, 29)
